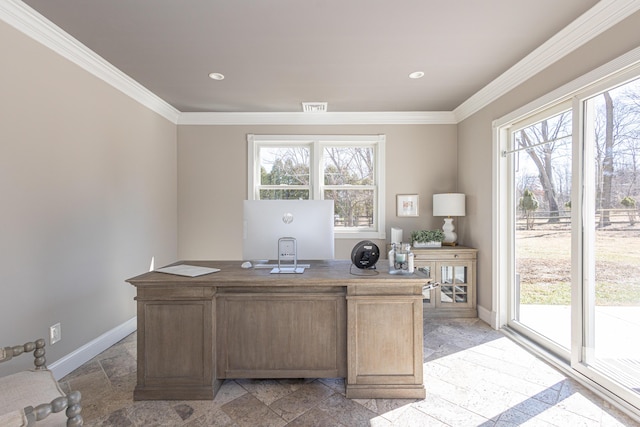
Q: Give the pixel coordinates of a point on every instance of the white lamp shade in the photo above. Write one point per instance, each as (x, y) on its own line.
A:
(448, 204)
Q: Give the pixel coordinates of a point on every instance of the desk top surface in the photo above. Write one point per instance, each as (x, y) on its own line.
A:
(323, 273)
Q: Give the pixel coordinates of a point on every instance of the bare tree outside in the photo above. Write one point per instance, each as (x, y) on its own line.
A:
(540, 142)
(617, 144)
(607, 161)
(348, 179)
(285, 173)
(616, 136)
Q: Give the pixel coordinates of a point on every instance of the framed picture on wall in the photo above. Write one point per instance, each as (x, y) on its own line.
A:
(407, 205)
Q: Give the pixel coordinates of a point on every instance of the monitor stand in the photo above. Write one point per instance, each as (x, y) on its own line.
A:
(272, 265)
(287, 250)
(287, 270)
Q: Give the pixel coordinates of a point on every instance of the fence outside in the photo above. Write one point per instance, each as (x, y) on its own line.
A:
(616, 217)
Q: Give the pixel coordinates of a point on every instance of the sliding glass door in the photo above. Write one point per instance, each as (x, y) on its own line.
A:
(611, 237)
(572, 239)
(541, 159)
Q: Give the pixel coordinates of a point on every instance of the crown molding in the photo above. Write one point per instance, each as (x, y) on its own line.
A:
(629, 62)
(602, 16)
(368, 118)
(30, 22)
(595, 21)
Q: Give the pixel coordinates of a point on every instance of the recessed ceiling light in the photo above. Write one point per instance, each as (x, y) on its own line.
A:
(416, 75)
(216, 76)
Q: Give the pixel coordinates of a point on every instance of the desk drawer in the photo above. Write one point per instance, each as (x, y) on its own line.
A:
(174, 293)
(439, 254)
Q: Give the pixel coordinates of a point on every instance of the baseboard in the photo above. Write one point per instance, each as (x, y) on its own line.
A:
(82, 355)
(488, 317)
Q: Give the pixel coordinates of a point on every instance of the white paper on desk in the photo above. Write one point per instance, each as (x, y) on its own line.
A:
(188, 270)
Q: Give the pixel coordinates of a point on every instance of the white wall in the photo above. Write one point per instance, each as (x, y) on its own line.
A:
(88, 196)
(212, 180)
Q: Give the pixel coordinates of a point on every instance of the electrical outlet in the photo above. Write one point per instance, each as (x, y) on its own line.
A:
(55, 334)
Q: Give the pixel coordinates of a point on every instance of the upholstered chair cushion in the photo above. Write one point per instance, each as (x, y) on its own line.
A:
(15, 418)
(29, 388)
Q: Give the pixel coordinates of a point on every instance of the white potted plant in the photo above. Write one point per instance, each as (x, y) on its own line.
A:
(427, 238)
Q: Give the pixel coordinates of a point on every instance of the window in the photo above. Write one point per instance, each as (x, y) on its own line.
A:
(347, 169)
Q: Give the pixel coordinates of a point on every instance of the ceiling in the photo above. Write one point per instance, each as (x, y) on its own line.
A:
(356, 55)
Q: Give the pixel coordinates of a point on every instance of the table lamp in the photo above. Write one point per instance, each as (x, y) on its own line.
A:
(448, 204)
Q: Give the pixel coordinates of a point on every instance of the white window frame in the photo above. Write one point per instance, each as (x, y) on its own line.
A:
(316, 191)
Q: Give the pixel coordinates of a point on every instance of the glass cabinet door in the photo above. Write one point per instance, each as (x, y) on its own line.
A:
(454, 284)
(428, 294)
(452, 273)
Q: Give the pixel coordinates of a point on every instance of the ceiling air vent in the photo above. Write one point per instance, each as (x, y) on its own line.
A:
(314, 107)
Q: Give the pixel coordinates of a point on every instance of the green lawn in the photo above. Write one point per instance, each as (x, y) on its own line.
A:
(543, 262)
(560, 294)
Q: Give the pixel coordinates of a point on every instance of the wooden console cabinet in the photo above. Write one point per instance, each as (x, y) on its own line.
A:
(194, 332)
(454, 267)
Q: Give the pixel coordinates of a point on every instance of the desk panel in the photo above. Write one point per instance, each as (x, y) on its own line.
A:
(281, 335)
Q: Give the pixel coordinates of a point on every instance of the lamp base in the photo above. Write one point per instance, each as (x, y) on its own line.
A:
(450, 236)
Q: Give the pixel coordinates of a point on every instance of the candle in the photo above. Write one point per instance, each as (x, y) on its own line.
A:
(401, 258)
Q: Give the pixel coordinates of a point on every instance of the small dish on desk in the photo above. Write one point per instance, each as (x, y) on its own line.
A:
(246, 264)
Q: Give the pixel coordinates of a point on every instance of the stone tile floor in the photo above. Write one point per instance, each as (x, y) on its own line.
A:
(474, 376)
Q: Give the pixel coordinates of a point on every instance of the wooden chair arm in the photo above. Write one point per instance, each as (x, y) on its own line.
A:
(45, 383)
(70, 403)
(37, 347)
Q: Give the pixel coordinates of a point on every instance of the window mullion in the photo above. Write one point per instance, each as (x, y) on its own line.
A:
(349, 187)
(253, 168)
(285, 186)
(317, 171)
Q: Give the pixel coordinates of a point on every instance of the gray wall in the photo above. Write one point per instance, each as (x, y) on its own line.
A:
(475, 136)
(212, 180)
(88, 196)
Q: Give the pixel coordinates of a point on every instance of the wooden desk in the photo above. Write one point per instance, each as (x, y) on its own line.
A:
(248, 323)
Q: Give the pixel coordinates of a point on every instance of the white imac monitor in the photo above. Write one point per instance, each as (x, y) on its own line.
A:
(310, 222)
